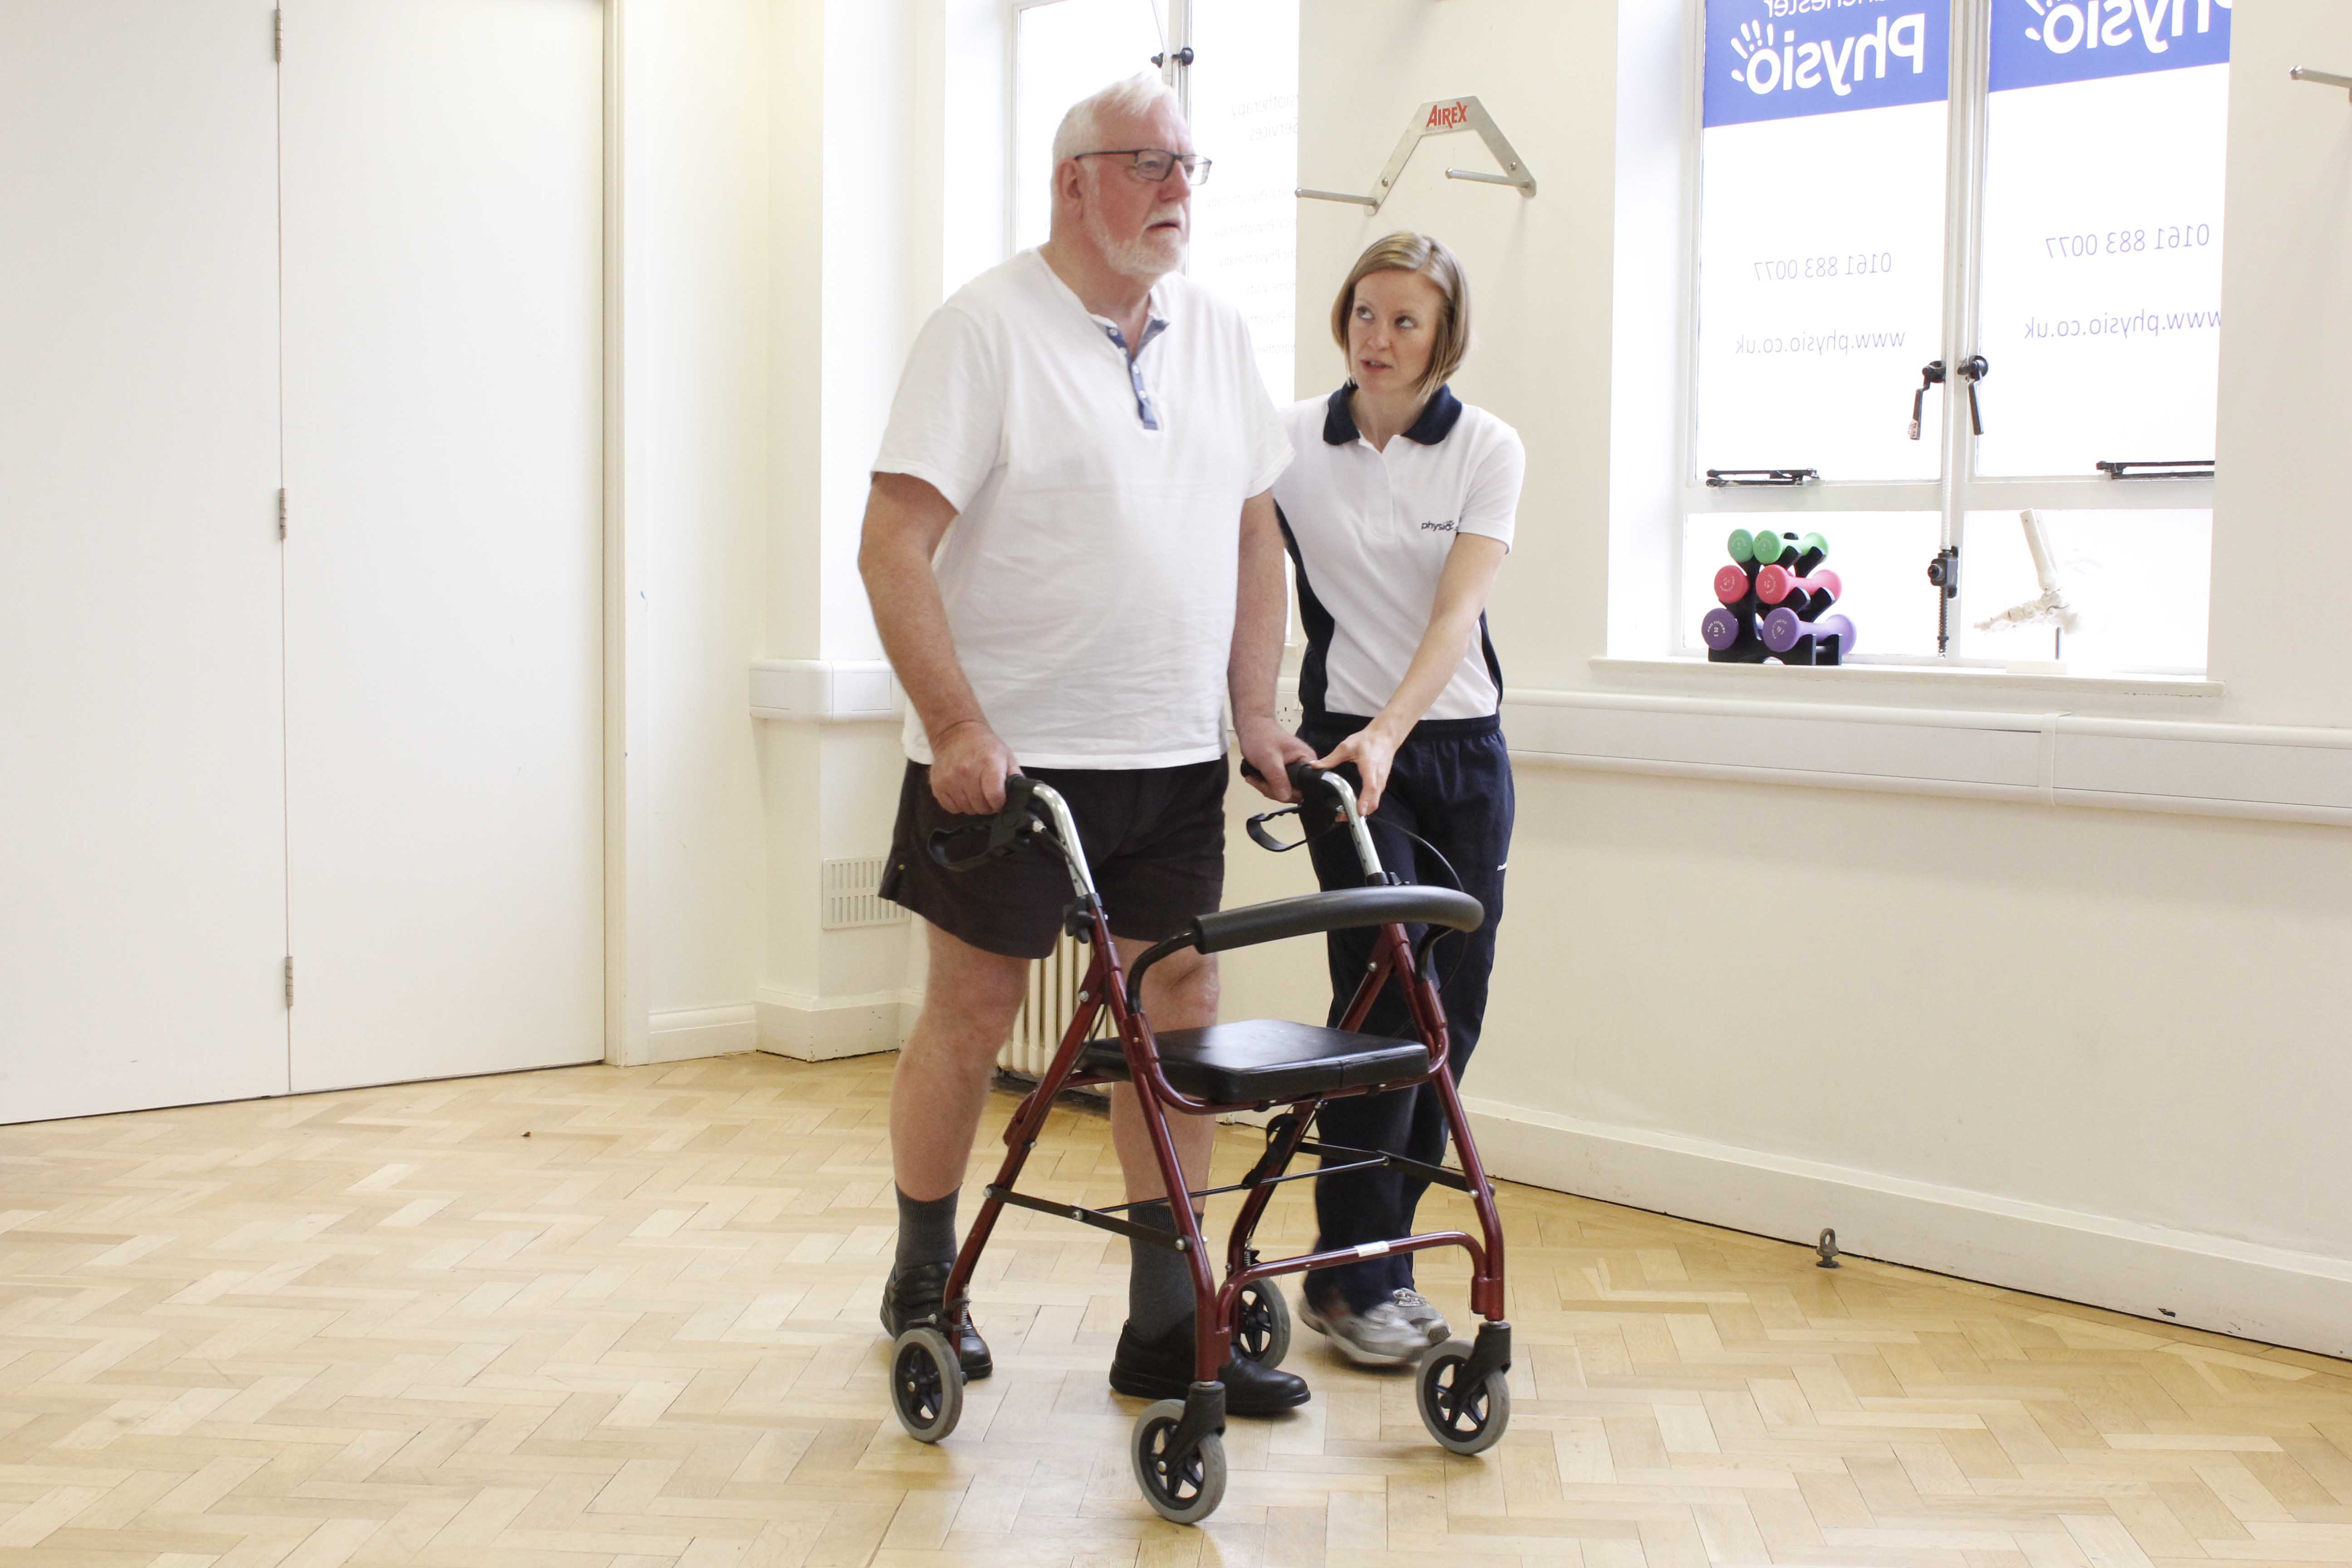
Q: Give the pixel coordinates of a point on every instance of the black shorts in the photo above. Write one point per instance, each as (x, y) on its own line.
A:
(1154, 838)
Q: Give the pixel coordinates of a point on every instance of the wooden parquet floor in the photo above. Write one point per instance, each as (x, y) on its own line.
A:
(600, 1316)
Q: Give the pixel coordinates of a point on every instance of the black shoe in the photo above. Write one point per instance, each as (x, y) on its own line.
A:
(910, 1295)
(1162, 1368)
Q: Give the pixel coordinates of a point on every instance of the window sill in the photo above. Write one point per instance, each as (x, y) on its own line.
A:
(1757, 679)
(2047, 756)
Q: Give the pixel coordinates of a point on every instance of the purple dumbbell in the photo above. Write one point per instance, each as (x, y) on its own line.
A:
(1724, 627)
(1783, 628)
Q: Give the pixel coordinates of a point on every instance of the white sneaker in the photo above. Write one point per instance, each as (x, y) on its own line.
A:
(1423, 1315)
(1381, 1336)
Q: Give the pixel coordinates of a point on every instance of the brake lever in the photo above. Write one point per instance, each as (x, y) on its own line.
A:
(1014, 820)
(1265, 840)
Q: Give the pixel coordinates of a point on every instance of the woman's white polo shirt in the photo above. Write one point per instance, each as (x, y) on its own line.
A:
(1369, 531)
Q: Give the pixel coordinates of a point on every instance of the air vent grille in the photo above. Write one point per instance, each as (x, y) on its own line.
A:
(850, 897)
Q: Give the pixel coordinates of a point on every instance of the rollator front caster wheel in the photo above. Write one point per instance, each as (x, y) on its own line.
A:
(1464, 1419)
(1183, 1488)
(1262, 1325)
(926, 1384)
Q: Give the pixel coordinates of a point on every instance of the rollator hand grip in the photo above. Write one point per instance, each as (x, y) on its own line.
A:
(1303, 776)
(1304, 779)
(1319, 809)
(1006, 829)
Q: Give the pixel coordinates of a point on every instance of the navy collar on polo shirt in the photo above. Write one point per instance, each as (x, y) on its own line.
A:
(1438, 417)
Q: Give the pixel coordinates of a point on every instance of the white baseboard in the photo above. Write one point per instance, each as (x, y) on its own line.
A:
(2296, 1299)
(824, 1028)
(687, 1033)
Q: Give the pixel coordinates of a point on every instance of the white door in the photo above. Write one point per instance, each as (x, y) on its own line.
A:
(142, 915)
(442, 170)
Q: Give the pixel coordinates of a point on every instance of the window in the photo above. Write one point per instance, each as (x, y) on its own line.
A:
(1065, 50)
(1241, 93)
(2005, 215)
(1243, 89)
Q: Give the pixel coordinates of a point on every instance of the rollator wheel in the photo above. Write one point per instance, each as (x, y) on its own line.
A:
(1262, 1323)
(926, 1384)
(1183, 1488)
(1464, 1420)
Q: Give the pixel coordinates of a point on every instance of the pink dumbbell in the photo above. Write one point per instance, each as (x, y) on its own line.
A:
(1776, 583)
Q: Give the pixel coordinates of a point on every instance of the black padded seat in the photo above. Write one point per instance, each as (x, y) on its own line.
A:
(1268, 1060)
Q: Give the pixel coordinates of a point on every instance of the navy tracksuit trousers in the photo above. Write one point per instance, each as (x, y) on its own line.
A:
(1451, 784)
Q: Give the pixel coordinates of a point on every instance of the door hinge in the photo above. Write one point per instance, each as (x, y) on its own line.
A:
(277, 35)
(289, 980)
(281, 514)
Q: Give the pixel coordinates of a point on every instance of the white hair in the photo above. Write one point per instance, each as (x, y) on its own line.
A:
(1082, 126)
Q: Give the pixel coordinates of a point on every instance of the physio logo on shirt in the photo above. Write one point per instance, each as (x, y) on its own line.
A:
(1445, 527)
(1779, 60)
(2036, 43)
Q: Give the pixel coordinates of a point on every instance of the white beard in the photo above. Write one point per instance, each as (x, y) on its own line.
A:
(1148, 257)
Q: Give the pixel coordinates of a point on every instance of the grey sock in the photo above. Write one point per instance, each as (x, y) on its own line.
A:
(927, 1232)
(1159, 1282)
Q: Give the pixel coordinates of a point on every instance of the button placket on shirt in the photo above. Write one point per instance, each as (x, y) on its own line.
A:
(1401, 526)
(1147, 412)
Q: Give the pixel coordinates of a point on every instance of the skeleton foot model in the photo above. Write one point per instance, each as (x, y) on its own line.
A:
(2051, 609)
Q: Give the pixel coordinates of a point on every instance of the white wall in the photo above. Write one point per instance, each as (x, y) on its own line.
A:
(2093, 1054)
(695, 305)
(857, 160)
(783, 235)
(2286, 366)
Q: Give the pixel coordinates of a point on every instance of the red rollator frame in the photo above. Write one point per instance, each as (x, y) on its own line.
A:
(1177, 1451)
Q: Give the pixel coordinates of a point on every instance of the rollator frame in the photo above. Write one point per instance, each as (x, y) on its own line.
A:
(1034, 810)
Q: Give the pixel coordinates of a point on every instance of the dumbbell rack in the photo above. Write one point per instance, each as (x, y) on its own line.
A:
(1774, 592)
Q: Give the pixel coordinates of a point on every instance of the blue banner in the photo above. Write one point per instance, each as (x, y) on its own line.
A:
(2038, 42)
(1777, 60)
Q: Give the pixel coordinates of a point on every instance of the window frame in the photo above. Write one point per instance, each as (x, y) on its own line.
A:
(1174, 19)
(1961, 490)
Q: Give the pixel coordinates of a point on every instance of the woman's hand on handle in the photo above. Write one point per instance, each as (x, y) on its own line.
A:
(1372, 749)
(1270, 748)
(969, 764)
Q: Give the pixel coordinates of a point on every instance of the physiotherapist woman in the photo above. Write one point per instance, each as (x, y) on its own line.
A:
(1397, 512)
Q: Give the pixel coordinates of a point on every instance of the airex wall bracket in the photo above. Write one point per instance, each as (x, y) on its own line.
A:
(1443, 117)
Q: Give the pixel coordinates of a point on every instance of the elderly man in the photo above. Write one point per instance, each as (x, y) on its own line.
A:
(1071, 550)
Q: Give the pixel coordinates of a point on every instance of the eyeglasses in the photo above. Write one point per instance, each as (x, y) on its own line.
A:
(1153, 165)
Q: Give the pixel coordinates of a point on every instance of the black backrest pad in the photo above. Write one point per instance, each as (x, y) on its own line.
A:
(1337, 911)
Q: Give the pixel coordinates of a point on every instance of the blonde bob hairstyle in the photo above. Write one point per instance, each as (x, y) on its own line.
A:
(1415, 253)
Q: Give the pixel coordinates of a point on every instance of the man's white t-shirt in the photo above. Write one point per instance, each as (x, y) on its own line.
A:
(1369, 530)
(1089, 574)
